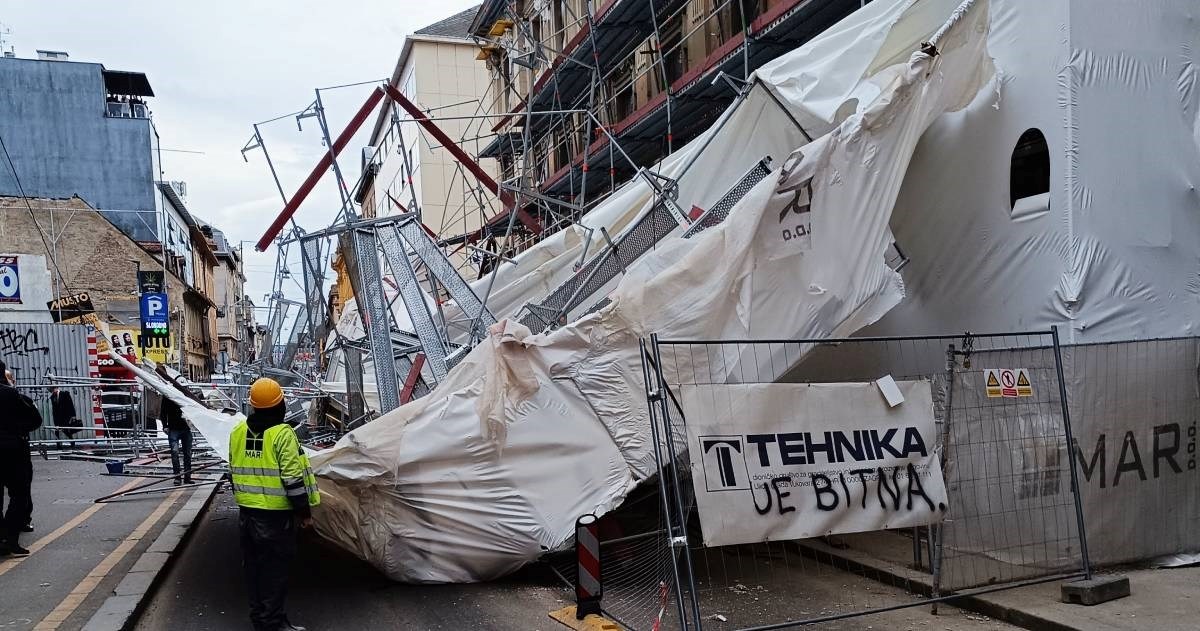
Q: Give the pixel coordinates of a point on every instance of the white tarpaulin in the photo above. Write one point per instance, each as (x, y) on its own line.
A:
(530, 431)
(775, 462)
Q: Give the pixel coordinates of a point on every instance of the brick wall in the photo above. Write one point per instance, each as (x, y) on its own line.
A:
(91, 254)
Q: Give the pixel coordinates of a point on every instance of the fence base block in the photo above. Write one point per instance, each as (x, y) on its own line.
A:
(590, 622)
(1100, 589)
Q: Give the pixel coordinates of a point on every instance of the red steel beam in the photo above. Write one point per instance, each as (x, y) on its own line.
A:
(471, 165)
(322, 166)
(410, 381)
(397, 202)
(402, 209)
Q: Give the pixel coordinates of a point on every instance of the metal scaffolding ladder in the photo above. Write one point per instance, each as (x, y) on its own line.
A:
(401, 238)
(408, 287)
(448, 277)
(377, 316)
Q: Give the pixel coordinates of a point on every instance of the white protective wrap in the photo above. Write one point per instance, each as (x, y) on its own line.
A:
(531, 431)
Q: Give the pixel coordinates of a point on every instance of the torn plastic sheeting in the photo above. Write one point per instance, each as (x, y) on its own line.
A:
(214, 426)
(754, 130)
(427, 493)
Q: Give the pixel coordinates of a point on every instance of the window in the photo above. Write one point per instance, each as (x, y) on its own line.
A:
(1029, 177)
(673, 49)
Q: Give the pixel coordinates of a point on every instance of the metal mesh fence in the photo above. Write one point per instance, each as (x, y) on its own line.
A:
(1010, 516)
(1135, 406)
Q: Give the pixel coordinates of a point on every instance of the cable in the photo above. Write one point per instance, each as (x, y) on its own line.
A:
(21, 189)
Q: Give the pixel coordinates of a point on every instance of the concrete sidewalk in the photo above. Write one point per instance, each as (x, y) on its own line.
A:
(83, 552)
(1162, 600)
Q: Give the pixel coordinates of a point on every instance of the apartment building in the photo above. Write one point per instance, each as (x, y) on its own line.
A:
(650, 75)
(404, 169)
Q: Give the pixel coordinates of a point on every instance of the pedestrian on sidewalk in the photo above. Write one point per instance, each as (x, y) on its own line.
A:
(18, 417)
(275, 489)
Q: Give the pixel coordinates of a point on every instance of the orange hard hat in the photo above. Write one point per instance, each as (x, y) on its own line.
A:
(265, 393)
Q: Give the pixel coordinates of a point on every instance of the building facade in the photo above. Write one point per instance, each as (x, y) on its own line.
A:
(234, 314)
(404, 170)
(83, 143)
(91, 256)
(80, 129)
(650, 75)
(200, 312)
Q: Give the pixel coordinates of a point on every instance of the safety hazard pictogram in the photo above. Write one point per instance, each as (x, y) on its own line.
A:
(1007, 383)
(993, 383)
(1024, 388)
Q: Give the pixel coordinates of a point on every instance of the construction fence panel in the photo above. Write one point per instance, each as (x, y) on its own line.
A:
(811, 546)
(39, 355)
(1135, 407)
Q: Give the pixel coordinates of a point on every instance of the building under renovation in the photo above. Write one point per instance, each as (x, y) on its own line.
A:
(598, 90)
(717, 175)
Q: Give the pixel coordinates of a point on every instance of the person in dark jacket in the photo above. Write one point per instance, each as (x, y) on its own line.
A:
(62, 411)
(179, 434)
(179, 437)
(18, 417)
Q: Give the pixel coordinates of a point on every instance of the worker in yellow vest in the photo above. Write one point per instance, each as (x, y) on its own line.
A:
(275, 490)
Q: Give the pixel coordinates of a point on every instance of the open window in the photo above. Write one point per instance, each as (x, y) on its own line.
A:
(1029, 176)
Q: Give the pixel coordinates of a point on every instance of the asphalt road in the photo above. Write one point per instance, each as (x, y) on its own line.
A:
(331, 589)
(85, 550)
(81, 550)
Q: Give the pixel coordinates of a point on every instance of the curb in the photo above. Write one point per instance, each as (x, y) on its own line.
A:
(131, 594)
(921, 583)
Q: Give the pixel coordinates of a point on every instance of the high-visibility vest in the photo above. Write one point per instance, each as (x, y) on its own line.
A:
(269, 468)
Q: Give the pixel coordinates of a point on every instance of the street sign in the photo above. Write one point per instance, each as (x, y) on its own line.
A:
(150, 281)
(155, 315)
(73, 306)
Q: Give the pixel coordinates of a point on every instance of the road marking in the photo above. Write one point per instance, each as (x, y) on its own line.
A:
(56, 618)
(11, 562)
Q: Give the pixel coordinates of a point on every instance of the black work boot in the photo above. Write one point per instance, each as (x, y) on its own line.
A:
(14, 548)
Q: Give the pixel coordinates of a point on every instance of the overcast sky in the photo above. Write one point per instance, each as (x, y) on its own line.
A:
(218, 66)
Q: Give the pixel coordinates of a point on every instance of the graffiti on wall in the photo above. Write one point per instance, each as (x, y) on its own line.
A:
(21, 341)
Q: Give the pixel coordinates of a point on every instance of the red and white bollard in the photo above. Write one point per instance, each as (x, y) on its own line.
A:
(588, 586)
(663, 595)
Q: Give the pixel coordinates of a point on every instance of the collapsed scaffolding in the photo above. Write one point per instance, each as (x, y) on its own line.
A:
(397, 257)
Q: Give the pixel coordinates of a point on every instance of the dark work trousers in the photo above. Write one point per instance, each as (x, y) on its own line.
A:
(181, 440)
(16, 476)
(268, 546)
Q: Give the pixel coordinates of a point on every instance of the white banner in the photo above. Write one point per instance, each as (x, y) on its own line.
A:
(792, 461)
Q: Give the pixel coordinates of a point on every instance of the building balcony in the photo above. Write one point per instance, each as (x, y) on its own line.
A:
(118, 109)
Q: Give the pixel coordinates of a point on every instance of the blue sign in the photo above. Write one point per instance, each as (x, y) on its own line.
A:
(10, 280)
(155, 315)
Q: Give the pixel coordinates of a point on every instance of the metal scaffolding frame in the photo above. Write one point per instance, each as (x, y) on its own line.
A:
(397, 258)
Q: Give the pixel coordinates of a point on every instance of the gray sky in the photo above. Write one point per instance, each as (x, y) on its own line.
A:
(220, 65)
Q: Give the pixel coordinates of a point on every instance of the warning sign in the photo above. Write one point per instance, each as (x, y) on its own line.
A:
(993, 383)
(1024, 389)
(1007, 383)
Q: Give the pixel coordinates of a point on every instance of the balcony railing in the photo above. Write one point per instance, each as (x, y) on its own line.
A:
(121, 109)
